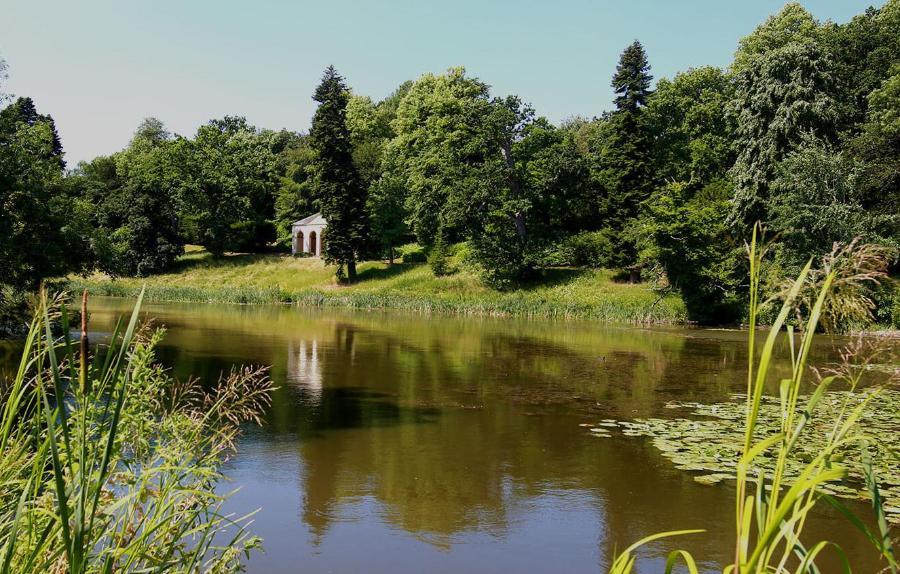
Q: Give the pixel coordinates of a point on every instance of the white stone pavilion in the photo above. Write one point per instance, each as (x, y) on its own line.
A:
(307, 235)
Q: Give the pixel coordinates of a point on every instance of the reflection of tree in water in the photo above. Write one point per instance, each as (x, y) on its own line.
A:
(455, 425)
(444, 442)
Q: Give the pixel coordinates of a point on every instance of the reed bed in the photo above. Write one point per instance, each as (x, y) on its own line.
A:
(108, 465)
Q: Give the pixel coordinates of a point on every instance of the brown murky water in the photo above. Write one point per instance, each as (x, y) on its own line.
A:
(401, 443)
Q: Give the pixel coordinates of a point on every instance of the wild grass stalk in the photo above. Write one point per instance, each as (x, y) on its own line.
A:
(106, 468)
(772, 506)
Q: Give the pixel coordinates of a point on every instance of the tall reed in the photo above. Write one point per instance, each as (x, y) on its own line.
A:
(771, 506)
(108, 465)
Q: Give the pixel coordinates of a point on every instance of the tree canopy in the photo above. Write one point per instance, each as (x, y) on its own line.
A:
(800, 131)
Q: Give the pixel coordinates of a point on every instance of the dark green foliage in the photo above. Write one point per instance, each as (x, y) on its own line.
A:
(371, 130)
(36, 220)
(295, 197)
(863, 50)
(341, 192)
(22, 111)
(228, 201)
(683, 232)
(877, 148)
(816, 202)
(693, 133)
(439, 153)
(42, 234)
(454, 155)
(887, 304)
(132, 201)
(585, 249)
(557, 180)
(499, 252)
(140, 214)
(499, 219)
(486, 170)
(439, 257)
(147, 239)
(387, 215)
(631, 81)
(625, 159)
(627, 168)
(784, 91)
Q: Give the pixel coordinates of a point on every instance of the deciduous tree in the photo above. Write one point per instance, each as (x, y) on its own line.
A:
(782, 95)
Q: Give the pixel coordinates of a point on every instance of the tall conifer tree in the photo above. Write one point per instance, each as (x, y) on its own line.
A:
(627, 161)
(342, 193)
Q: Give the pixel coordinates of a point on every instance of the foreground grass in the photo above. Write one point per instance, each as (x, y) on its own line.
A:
(110, 465)
(795, 451)
(560, 293)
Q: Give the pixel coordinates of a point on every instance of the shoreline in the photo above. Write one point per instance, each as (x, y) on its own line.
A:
(667, 310)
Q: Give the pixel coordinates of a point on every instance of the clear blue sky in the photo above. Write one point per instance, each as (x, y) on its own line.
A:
(99, 67)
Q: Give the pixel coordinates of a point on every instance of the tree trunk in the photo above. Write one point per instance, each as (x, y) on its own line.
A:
(351, 271)
(391, 254)
(518, 217)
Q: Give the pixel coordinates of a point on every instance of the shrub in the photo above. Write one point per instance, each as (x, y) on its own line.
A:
(412, 253)
(439, 258)
(682, 232)
(586, 249)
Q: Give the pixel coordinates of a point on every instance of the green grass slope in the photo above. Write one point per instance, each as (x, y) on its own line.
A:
(564, 293)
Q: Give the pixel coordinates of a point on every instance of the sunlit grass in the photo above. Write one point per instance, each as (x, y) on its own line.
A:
(566, 293)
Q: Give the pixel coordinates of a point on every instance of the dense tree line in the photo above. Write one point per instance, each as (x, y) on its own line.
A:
(801, 131)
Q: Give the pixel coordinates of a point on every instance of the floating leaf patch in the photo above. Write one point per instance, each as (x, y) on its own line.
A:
(710, 442)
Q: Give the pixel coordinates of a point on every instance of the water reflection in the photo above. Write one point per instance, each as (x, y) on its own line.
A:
(403, 444)
(303, 370)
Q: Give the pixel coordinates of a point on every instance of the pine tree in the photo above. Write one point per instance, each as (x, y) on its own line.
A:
(342, 193)
(632, 79)
(627, 160)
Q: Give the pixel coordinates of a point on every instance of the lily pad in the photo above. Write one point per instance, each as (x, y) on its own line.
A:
(711, 440)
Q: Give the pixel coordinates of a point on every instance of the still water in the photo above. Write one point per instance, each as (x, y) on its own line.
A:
(404, 443)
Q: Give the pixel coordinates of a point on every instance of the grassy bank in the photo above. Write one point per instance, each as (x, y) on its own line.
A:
(563, 293)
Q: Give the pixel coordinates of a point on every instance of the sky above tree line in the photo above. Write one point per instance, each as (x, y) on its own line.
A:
(101, 66)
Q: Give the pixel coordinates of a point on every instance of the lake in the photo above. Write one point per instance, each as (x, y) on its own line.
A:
(406, 443)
